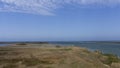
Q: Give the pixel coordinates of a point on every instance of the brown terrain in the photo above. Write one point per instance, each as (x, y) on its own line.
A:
(54, 56)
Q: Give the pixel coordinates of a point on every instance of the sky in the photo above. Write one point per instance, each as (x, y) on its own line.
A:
(59, 20)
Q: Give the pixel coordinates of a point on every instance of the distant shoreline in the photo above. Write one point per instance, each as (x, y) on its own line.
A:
(40, 42)
(24, 42)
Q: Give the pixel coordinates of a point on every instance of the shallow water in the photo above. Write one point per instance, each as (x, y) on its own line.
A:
(3, 44)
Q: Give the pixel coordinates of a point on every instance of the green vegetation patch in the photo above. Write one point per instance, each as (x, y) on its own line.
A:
(34, 61)
(30, 62)
(25, 61)
(58, 46)
(10, 66)
(21, 44)
(9, 60)
(111, 58)
(66, 49)
(4, 50)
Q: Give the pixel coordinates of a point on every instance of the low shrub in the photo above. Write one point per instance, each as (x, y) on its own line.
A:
(111, 58)
(10, 66)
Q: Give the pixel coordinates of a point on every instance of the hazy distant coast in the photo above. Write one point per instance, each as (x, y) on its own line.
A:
(40, 42)
(46, 42)
(26, 42)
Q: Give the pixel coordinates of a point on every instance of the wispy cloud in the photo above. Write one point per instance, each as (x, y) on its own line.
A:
(46, 7)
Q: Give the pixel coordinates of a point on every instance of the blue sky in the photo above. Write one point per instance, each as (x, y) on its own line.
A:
(64, 20)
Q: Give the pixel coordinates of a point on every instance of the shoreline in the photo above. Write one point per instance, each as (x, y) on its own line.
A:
(46, 43)
(53, 56)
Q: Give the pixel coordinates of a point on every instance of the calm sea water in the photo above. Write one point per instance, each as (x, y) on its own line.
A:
(111, 48)
(3, 44)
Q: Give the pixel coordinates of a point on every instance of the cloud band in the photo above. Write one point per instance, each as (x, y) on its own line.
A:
(46, 7)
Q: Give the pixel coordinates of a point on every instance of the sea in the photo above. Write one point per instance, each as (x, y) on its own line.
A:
(4, 44)
(104, 47)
